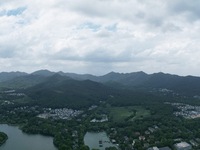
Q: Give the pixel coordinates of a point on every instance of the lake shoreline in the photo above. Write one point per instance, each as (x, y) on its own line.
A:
(20, 126)
(4, 136)
(17, 139)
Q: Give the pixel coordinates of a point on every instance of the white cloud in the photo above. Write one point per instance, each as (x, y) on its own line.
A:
(98, 36)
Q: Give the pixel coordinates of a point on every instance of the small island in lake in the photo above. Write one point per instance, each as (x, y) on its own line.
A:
(3, 138)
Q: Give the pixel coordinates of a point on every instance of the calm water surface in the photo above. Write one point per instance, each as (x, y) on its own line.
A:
(17, 140)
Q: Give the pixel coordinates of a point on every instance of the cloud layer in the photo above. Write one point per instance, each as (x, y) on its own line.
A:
(99, 36)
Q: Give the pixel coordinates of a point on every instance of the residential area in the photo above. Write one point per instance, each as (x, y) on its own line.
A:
(186, 111)
(62, 113)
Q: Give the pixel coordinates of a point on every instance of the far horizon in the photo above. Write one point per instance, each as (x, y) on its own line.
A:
(95, 74)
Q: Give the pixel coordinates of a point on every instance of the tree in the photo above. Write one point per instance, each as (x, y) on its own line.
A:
(84, 147)
(111, 148)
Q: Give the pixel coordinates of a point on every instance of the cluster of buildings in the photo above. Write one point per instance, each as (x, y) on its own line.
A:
(92, 107)
(17, 94)
(156, 148)
(104, 118)
(8, 91)
(13, 93)
(177, 146)
(7, 103)
(165, 90)
(27, 109)
(145, 138)
(147, 132)
(62, 113)
(186, 111)
(180, 144)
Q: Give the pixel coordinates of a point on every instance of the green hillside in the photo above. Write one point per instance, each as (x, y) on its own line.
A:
(22, 82)
(62, 91)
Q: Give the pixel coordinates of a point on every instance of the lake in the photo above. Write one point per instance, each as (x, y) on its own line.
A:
(22, 141)
(98, 140)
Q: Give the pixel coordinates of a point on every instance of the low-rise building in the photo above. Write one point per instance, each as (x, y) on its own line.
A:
(153, 148)
(182, 146)
(164, 148)
(141, 138)
(194, 143)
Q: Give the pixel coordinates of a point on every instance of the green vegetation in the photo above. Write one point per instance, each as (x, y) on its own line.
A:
(125, 124)
(59, 91)
(3, 137)
(140, 112)
(119, 114)
(132, 111)
(23, 100)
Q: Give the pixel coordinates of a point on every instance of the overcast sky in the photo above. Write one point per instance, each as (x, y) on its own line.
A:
(99, 36)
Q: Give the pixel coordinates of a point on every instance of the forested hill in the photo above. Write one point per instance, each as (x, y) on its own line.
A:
(188, 85)
(22, 82)
(60, 91)
(5, 76)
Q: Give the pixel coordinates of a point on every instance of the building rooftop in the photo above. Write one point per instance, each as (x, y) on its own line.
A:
(182, 145)
(153, 148)
(164, 148)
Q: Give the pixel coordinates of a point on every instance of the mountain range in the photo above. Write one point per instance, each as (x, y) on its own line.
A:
(46, 87)
(125, 80)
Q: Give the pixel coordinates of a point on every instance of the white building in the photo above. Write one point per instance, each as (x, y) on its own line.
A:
(183, 146)
(153, 148)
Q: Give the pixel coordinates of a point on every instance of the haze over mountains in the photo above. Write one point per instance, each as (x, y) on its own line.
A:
(128, 80)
